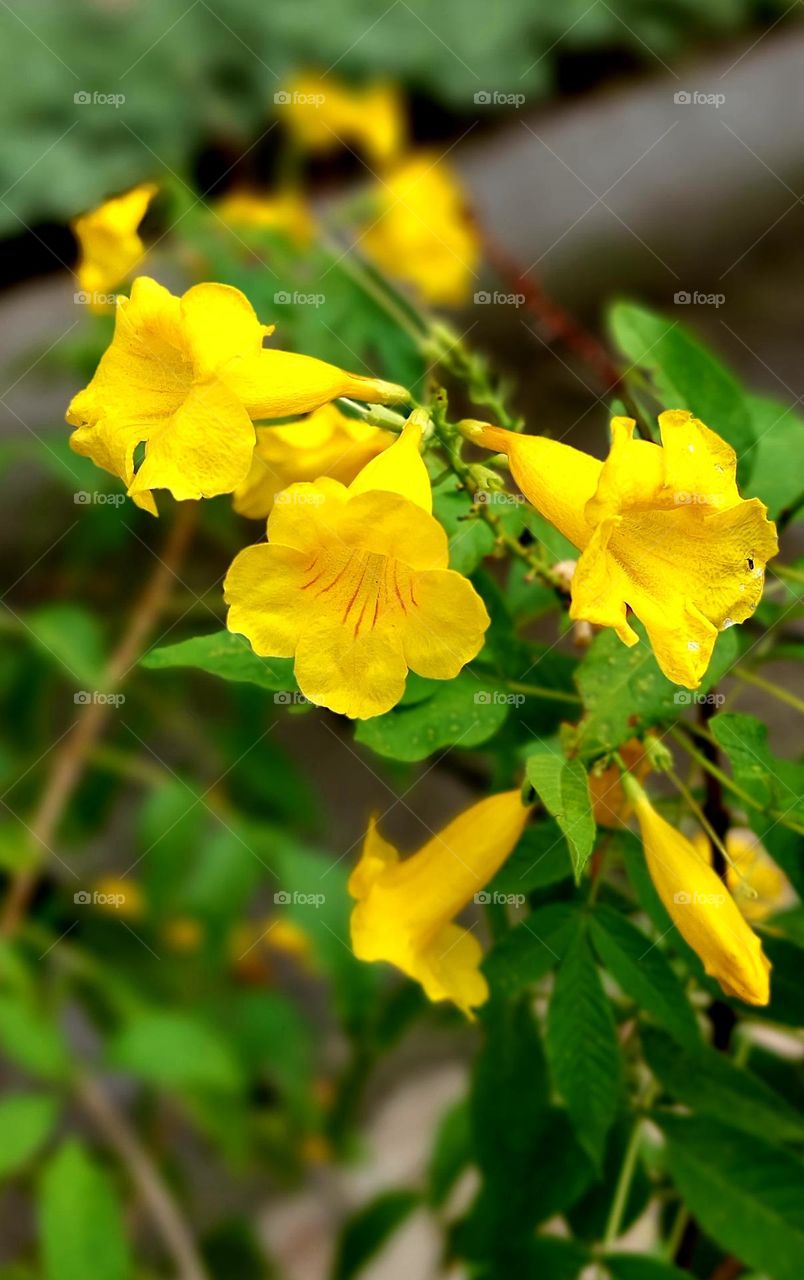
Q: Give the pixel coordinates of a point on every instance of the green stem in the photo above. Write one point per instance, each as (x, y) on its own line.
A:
(775, 690)
(623, 1188)
(787, 571)
(724, 779)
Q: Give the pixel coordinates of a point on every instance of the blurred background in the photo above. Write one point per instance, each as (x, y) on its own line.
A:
(634, 148)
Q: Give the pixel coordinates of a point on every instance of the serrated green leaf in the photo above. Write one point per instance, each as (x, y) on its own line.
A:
(542, 857)
(774, 783)
(459, 713)
(643, 971)
(226, 655)
(369, 1229)
(712, 1085)
(80, 1222)
(746, 1194)
(685, 375)
(563, 788)
(471, 539)
(582, 1048)
(26, 1120)
(779, 431)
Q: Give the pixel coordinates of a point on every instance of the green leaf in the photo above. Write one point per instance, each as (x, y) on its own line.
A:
(458, 713)
(635, 1266)
(26, 1120)
(471, 539)
(684, 374)
(778, 430)
(624, 692)
(563, 788)
(776, 784)
(72, 638)
(452, 1152)
(176, 1051)
(32, 1040)
(369, 1229)
(583, 1049)
(531, 950)
(226, 655)
(746, 1194)
(712, 1085)
(80, 1222)
(643, 972)
(541, 858)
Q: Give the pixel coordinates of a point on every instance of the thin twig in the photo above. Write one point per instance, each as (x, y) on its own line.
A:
(70, 757)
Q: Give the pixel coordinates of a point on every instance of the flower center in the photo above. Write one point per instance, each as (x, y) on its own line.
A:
(363, 588)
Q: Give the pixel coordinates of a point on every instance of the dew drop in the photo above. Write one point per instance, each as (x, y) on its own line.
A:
(693, 646)
(727, 622)
(691, 448)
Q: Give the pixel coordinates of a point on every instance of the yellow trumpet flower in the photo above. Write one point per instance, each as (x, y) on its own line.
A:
(760, 887)
(421, 234)
(405, 908)
(354, 585)
(663, 530)
(185, 377)
(109, 243)
(325, 444)
(702, 909)
(286, 212)
(323, 113)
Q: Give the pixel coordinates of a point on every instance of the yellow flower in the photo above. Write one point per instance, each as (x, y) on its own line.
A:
(324, 113)
(286, 212)
(325, 444)
(185, 376)
(405, 909)
(703, 911)
(109, 243)
(663, 531)
(760, 887)
(183, 933)
(421, 233)
(354, 584)
(121, 896)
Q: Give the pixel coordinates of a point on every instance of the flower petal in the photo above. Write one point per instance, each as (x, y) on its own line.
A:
(205, 448)
(359, 675)
(600, 586)
(445, 628)
(697, 463)
(220, 325)
(388, 524)
(263, 589)
(400, 469)
(281, 384)
(110, 245)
